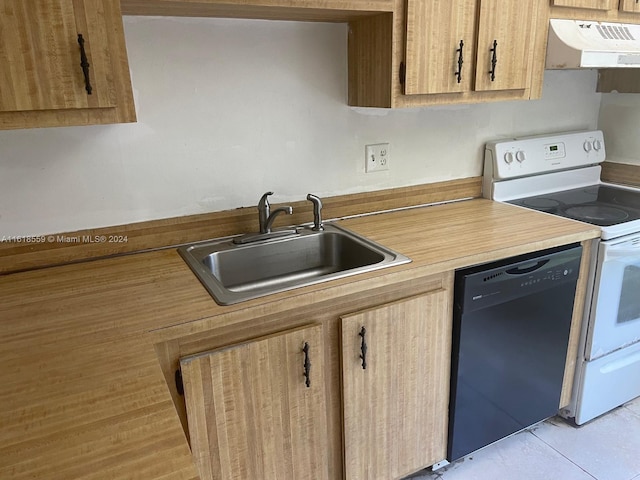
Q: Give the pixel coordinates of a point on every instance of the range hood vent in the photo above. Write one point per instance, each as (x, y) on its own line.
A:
(587, 44)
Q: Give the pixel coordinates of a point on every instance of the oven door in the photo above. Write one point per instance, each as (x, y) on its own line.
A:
(614, 320)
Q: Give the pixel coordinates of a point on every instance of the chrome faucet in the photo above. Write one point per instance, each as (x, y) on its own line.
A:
(266, 216)
(317, 212)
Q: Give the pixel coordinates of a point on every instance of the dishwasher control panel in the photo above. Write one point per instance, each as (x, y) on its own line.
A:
(502, 281)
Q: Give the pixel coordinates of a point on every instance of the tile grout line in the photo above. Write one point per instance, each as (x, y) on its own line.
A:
(564, 456)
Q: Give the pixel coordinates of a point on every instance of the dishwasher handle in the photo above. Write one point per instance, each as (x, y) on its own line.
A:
(524, 269)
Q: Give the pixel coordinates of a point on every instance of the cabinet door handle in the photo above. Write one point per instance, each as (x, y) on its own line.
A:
(363, 348)
(494, 60)
(460, 62)
(84, 63)
(307, 365)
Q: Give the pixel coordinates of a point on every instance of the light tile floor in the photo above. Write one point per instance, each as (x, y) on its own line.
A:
(607, 448)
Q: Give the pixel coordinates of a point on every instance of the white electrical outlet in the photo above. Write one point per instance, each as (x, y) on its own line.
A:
(377, 157)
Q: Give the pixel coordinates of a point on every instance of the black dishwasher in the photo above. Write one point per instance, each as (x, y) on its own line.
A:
(510, 334)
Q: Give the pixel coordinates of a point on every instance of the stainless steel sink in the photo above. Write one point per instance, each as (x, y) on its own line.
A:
(234, 273)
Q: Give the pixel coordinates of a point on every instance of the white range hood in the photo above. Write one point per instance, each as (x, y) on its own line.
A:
(587, 44)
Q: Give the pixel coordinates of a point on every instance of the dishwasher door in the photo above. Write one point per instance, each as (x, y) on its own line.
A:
(511, 330)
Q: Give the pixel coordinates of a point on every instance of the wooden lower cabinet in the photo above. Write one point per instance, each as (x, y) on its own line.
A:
(252, 411)
(251, 415)
(395, 368)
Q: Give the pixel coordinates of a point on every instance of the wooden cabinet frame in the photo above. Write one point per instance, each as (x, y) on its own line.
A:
(377, 69)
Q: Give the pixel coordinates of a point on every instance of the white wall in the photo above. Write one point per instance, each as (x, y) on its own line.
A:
(620, 122)
(228, 109)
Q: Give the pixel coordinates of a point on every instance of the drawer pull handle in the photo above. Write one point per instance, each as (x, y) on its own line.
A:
(84, 63)
(363, 348)
(494, 60)
(307, 365)
(460, 62)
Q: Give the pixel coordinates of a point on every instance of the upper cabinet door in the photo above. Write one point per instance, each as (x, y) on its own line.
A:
(505, 38)
(40, 57)
(440, 42)
(632, 6)
(591, 4)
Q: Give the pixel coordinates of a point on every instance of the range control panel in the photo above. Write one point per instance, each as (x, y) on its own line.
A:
(543, 153)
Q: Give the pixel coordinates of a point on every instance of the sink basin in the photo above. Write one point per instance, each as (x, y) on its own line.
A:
(234, 273)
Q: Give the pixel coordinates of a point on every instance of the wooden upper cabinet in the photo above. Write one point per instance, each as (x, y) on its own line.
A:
(632, 6)
(40, 55)
(439, 34)
(42, 82)
(590, 4)
(322, 10)
(395, 409)
(251, 412)
(435, 30)
(505, 38)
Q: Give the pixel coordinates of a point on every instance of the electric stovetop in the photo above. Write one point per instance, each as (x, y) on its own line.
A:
(601, 205)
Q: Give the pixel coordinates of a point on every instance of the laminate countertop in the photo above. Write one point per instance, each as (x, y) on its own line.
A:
(83, 395)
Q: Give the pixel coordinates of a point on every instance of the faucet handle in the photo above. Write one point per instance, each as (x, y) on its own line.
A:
(264, 210)
(264, 201)
(317, 212)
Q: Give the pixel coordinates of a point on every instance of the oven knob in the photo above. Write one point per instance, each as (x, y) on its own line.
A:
(508, 158)
(587, 146)
(597, 145)
(521, 156)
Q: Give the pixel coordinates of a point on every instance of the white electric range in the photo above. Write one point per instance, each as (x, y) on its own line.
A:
(560, 174)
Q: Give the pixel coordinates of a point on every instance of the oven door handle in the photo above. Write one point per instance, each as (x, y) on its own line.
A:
(622, 253)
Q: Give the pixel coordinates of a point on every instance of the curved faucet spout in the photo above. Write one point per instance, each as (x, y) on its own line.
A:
(266, 218)
(274, 214)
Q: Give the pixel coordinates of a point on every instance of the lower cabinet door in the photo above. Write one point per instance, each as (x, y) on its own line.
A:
(395, 368)
(257, 410)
